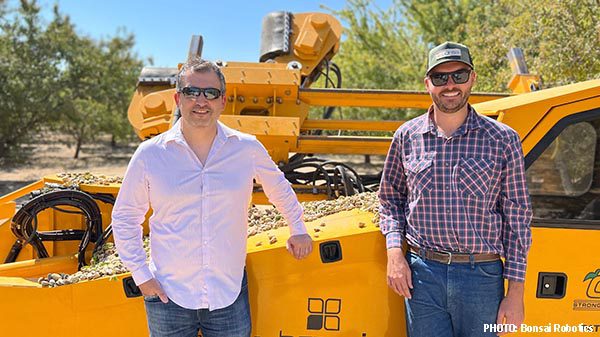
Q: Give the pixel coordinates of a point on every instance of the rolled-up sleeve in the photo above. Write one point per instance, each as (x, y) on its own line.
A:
(515, 206)
(392, 196)
(278, 189)
(128, 216)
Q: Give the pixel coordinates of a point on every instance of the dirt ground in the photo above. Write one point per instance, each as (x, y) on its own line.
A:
(54, 157)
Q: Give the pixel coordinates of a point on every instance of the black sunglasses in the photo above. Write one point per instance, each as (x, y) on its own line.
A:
(459, 77)
(194, 92)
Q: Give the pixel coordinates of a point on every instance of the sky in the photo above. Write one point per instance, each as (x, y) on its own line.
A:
(163, 29)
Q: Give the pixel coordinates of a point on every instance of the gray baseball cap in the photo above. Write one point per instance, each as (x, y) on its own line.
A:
(449, 52)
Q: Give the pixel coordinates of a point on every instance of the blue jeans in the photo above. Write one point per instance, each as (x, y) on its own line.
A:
(454, 300)
(171, 320)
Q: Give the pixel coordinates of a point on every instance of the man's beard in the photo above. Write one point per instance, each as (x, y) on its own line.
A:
(437, 99)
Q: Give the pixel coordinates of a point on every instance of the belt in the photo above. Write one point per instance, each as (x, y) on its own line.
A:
(449, 257)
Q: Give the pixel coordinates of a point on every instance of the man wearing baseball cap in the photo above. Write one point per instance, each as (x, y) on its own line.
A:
(453, 189)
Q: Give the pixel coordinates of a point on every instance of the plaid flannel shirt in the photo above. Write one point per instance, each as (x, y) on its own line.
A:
(466, 193)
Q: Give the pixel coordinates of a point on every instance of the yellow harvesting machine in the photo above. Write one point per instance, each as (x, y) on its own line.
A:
(340, 290)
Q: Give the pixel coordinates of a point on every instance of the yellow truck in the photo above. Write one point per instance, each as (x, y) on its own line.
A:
(340, 290)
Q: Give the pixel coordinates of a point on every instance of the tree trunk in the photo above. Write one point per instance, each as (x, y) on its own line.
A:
(3, 154)
(78, 147)
(80, 136)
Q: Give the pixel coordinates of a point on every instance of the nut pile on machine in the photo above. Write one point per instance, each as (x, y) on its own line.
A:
(106, 262)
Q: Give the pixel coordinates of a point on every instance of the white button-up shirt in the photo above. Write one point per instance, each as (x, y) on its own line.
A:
(198, 227)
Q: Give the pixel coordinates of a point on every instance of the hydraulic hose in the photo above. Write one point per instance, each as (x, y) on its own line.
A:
(25, 223)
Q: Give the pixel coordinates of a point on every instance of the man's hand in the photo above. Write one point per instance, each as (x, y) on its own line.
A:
(512, 309)
(152, 288)
(299, 245)
(398, 273)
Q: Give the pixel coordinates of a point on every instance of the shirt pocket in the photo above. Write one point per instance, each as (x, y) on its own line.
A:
(475, 176)
(419, 172)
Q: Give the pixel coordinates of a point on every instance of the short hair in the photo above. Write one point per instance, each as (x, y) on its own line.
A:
(201, 66)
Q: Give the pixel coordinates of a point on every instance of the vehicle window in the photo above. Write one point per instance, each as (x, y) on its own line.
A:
(561, 180)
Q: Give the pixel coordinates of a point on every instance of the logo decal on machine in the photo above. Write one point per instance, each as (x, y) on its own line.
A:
(592, 291)
(324, 314)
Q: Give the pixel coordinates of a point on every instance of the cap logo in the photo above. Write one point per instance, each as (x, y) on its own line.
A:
(446, 53)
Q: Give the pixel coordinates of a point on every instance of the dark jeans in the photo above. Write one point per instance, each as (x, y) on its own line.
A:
(171, 320)
(454, 300)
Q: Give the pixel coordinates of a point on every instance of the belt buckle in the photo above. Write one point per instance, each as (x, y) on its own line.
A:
(449, 258)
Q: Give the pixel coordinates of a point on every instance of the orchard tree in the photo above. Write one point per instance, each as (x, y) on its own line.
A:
(560, 39)
(55, 79)
(29, 76)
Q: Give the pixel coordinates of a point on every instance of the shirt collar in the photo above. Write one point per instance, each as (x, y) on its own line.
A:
(223, 131)
(426, 123)
(175, 134)
(474, 119)
(472, 122)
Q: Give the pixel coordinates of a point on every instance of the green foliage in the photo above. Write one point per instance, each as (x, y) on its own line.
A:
(374, 55)
(53, 77)
(560, 40)
(122, 70)
(565, 39)
(30, 76)
(437, 21)
(387, 49)
(99, 79)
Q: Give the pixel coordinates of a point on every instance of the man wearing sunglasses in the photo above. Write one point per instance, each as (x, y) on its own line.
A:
(198, 179)
(453, 189)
